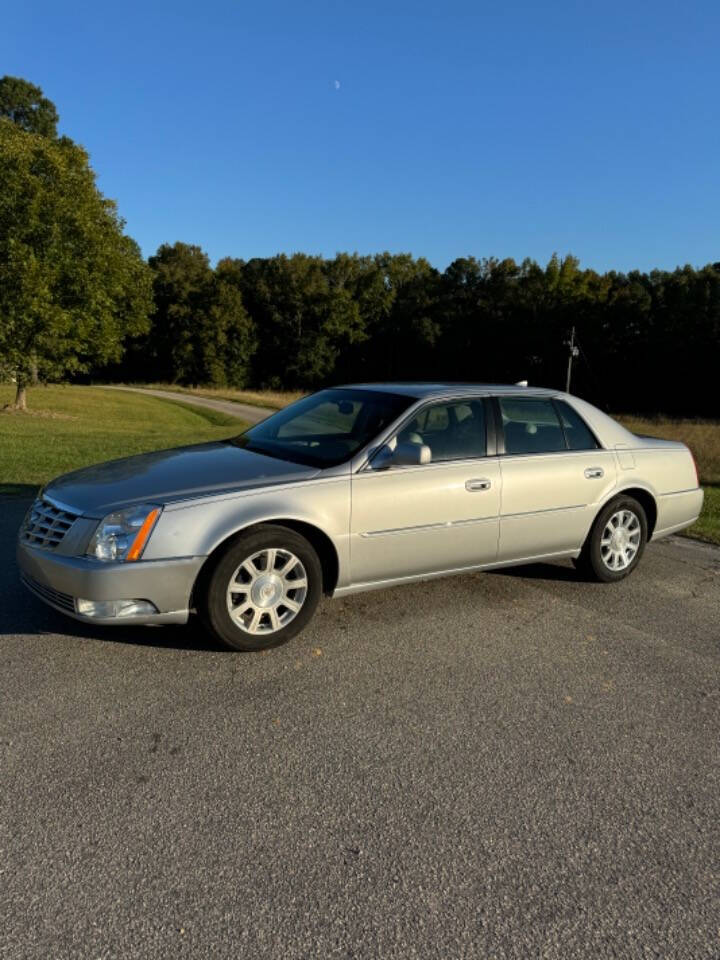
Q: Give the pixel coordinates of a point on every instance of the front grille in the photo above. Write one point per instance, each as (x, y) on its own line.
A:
(46, 525)
(55, 597)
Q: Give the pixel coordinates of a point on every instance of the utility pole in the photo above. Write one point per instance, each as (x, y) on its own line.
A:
(571, 356)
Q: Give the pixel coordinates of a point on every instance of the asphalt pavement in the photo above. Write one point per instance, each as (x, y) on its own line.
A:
(250, 414)
(506, 765)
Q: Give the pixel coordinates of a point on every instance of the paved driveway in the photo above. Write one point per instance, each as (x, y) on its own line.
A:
(244, 411)
(509, 765)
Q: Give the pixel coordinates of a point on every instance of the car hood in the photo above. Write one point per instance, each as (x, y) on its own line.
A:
(166, 476)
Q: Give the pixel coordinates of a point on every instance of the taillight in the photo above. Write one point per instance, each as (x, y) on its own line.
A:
(697, 475)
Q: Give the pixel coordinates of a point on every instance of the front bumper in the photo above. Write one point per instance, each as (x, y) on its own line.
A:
(59, 581)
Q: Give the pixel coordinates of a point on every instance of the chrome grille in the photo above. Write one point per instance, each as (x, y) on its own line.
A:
(46, 525)
(48, 594)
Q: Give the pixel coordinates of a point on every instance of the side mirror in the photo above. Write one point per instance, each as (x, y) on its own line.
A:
(404, 455)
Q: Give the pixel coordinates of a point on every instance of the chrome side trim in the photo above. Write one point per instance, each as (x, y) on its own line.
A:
(461, 523)
(678, 493)
(532, 513)
(368, 469)
(428, 526)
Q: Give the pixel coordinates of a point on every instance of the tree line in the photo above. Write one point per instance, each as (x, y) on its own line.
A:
(77, 299)
(648, 342)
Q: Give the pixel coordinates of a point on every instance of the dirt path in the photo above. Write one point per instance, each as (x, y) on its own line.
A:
(241, 410)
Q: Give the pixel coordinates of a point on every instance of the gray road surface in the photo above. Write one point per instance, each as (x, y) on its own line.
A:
(242, 410)
(509, 765)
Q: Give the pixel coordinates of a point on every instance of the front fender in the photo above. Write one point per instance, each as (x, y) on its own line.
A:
(197, 528)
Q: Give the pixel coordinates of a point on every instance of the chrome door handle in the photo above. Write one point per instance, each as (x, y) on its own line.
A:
(481, 484)
(592, 472)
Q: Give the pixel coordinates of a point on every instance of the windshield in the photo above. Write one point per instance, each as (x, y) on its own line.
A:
(326, 428)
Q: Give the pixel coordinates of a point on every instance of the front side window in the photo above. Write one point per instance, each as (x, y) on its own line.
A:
(325, 428)
(453, 431)
(531, 425)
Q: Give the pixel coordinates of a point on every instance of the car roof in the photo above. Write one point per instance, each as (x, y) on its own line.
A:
(421, 390)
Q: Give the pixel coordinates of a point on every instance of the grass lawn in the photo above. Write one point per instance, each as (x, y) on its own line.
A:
(70, 427)
(708, 525)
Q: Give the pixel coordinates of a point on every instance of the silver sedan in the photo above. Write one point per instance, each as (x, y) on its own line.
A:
(351, 489)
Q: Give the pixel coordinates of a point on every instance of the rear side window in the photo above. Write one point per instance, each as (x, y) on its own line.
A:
(531, 426)
(577, 432)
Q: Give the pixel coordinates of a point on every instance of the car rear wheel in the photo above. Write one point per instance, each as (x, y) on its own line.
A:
(262, 590)
(616, 542)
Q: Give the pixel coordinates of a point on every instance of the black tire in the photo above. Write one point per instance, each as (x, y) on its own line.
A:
(590, 563)
(212, 600)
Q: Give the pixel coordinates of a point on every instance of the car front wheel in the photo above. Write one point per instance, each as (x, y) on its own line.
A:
(263, 588)
(616, 542)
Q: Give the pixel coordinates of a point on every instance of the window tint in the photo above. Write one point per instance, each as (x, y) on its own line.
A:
(330, 417)
(453, 431)
(436, 418)
(577, 432)
(326, 428)
(531, 426)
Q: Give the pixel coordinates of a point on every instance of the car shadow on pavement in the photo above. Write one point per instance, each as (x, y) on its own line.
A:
(23, 614)
(552, 572)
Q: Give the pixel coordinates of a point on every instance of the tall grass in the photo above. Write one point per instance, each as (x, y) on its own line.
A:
(702, 436)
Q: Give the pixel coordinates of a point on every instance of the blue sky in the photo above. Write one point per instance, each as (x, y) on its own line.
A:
(457, 128)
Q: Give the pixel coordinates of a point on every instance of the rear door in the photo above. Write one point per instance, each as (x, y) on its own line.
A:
(435, 517)
(554, 475)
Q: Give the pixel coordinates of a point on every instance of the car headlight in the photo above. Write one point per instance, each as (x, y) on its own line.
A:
(123, 535)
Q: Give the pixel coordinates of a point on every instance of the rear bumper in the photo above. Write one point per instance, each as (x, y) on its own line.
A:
(676, 511)
(59, 581)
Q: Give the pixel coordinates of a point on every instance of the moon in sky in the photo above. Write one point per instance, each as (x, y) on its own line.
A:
(337, 84)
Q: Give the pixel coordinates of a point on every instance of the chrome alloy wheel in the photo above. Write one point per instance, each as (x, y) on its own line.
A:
(267, 591)
(620, 540)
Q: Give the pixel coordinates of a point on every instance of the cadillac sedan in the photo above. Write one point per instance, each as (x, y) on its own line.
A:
(351, 489)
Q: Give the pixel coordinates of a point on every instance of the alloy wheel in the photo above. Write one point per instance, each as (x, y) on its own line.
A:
(620, 540)
(267, 591)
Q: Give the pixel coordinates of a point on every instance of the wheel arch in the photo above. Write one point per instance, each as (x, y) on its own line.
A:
(644, 497)
(320, 541)
(647, 501)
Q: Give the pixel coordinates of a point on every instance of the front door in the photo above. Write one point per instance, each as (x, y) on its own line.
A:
(440, 516)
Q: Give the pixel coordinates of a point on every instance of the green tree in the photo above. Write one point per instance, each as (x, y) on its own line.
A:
(409, 336)
(24, 104)
(304, 321)
(230, 341)
(181, 282)
(73, 286)
(201, 332)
